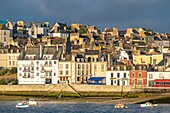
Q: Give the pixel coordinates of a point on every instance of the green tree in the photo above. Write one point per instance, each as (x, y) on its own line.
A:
(82, 30)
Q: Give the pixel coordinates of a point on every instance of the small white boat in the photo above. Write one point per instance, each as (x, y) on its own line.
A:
(22, 105)
(120, 105)
(32, 102)
(148, 104)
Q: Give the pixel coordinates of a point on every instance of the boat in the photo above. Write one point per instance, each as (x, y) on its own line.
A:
(148, 104)
(32, 102)
(120, 105)
(23, 104)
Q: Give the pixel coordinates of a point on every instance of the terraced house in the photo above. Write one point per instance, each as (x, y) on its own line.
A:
(38, 65)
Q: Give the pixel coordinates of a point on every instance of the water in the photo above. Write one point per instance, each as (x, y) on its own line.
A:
(53, 107)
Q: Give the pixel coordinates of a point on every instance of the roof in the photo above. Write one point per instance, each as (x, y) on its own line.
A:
(96, 78)
(162, 80)
(3, 27)
(4, 22)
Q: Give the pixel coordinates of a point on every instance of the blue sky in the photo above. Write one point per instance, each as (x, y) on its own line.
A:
(101, 13)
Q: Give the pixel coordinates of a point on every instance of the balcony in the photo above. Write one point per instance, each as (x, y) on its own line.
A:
(42, 71)
(48, 71)
(32, 71)
(48, 65)
(26, 70)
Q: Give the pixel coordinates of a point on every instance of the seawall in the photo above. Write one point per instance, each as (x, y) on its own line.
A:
(67, 88)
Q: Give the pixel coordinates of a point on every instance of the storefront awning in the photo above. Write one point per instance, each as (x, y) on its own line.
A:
(162, 80)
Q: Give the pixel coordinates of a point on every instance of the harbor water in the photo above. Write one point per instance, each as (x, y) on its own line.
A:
(55, 107)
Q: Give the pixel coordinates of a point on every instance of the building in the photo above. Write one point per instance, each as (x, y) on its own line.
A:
(118, 75)
(9, 56)
(38, 65)
(4, 35)
(138, 76)
(154, 75)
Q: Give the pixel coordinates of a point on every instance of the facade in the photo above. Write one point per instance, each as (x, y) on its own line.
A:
(151, 76)
(138, 78)
(64, 72)
(4, 35)
(9, 56)
(147, 59)
(38, 65)
(117, 77)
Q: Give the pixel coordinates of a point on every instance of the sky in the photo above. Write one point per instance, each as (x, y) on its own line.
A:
(154, 14)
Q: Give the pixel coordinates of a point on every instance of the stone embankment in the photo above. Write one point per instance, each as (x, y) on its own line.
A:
(66, 88)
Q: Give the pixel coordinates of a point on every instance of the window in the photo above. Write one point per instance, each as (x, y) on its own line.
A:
(95, 66)
(20, 74)
(55, 62)
(37, 68)
(140, 75)
(82, 72)
(50, 74)
(54, 74)
(87, 66)
(111, 82)
(139, 82)
(124, 75)
(37, 63)
(9, 57)
(111, 75)
(60, 78)
(118, 75)
(37, 74)
(66, 66)
(61, 66)
(87, 72)
(4, 39)
(79, 72)
(79, 66)
(150, 76)
(102, 67)
(4, 32)
(133, 82)
(20, 68)
(67, 72)
(13, 62)
(82, 66)
(78, 78)
(9, 62)
(32, 32)
(133, 75)
(61, 72)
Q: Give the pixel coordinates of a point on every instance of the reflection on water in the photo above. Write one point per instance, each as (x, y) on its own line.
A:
(45, 107)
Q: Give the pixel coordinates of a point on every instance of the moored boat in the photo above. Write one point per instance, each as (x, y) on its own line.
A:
(22, 105)
(120, 105)
(148, 104)
(32, 102)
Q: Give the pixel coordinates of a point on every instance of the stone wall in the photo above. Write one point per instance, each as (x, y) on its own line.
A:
(65, 88)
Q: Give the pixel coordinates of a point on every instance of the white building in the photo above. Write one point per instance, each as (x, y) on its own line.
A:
(123, 55)
(117, 76)
(38, 65)
(151, 76)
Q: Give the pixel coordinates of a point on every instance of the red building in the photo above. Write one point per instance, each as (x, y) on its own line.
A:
(138, 78)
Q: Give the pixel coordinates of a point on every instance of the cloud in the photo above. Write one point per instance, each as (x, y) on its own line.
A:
(102, 13)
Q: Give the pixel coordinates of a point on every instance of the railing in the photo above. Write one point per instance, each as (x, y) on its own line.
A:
(26, 70)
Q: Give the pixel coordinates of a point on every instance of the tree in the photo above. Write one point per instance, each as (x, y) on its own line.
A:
(82, 30)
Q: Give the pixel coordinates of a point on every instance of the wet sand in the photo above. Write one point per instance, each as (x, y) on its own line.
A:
(97, 100)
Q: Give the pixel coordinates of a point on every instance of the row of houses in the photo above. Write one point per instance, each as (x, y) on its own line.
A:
(80, 54)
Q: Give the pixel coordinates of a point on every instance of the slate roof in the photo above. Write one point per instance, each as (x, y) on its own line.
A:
(3, 27)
